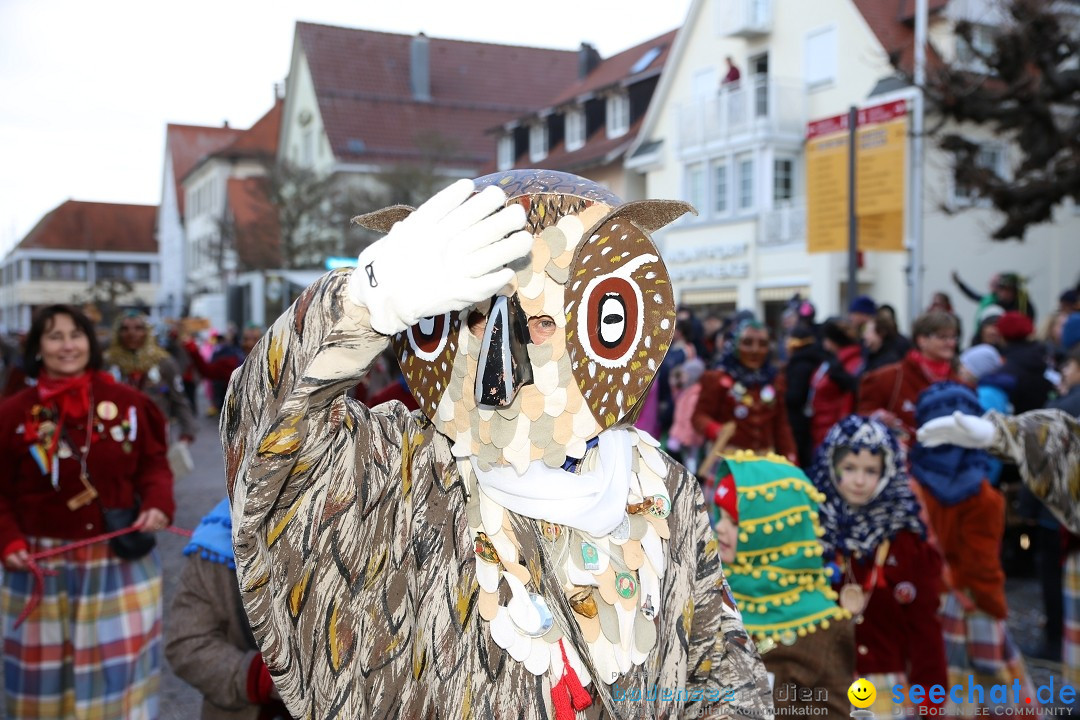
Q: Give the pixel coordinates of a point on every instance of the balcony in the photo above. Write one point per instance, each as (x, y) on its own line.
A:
(745, 18)
(759, 108)
(782, 226)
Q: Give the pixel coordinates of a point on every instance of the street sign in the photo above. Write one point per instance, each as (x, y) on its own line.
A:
(881, 144)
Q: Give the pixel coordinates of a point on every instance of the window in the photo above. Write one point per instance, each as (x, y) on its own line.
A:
(695, 185)
(575, 129)
(783, 180)
(820, 57)
(982, 43)
(132, 272)
(506, 155)
(991, 157)
(618, 114)
(720, 188)
(73, 270)
(646, 60)
(538, 142)
(307, 148)
(746, 183)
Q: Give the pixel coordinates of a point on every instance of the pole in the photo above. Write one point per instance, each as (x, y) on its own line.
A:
(915, 273)
(853, 224)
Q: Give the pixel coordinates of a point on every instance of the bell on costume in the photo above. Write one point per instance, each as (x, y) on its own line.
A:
(504, 365)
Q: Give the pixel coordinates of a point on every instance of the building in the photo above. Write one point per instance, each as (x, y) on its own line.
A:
(185, 145)
(230, 225)
(589, 126)
(74, 253)
(396, 117)
(737, 152)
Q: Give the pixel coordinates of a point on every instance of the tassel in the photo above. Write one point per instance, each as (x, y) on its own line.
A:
(569, 694)
(560, 700)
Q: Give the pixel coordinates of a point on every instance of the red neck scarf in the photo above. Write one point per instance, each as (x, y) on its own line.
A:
(936, 370)
(71, 395)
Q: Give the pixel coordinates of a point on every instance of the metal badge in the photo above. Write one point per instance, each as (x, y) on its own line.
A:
(741, 412)
(550, 530)
(625, 585)
(116, 433)
(107, 410)
(768, 394)
(661, 506)
(590, 556)
(484, 548)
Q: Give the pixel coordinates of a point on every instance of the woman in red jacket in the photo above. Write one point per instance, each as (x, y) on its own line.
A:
(890, 392)
(746, 389)
(73, 445)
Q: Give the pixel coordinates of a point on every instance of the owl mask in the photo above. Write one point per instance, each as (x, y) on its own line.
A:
(565, 351)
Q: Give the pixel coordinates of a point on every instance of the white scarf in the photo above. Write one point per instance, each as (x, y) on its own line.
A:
(594, 501)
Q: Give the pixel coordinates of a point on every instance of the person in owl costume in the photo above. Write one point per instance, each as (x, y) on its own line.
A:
(515, 548)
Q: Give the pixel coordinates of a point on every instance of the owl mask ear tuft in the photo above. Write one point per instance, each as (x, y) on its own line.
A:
(650, 215)
(383, 220)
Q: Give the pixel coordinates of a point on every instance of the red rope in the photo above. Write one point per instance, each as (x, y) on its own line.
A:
(39, 572)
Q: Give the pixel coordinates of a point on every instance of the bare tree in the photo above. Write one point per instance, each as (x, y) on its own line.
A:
(1026, 89)
(102, 299)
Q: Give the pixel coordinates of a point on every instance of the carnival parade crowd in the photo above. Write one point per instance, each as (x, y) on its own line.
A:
(850, 549)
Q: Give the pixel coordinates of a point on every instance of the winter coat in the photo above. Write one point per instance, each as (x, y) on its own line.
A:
(799, 372)
(895, 388)
(1026, 361)
(758, 412)
(833, 391)
(209, 644)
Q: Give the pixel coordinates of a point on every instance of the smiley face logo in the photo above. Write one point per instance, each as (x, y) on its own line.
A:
(862, 693)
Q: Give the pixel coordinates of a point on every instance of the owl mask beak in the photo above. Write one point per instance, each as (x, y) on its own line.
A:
(504, 360)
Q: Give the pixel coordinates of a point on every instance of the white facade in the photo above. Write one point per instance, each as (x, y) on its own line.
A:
(31, 278)
(170, 237)
(737, 154)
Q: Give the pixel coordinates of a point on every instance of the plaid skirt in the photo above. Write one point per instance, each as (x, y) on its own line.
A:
(1070, 646)
(92, 648)
(978, 645)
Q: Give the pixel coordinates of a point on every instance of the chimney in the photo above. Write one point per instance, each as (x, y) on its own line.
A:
(587, 60)
(420, 68)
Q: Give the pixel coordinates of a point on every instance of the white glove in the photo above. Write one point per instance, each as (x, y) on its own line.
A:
(970, 431)
(447, 255)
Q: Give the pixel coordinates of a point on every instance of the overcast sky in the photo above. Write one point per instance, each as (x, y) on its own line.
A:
(86, 88)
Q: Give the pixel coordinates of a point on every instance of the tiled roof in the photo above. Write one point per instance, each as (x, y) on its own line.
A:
(893, 23)
(598, 149)
(362, 81)
(617, 68)
(78, 225)
(258, 234)
(189, 144)
(261, 138)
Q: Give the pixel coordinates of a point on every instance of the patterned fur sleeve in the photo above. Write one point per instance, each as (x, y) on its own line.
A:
(722, 657)
(304, 463)
(1045, 445)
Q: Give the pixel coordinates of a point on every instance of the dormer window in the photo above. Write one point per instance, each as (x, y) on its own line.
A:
(618, 114)
(575, 129)
(505, 154)
(538, 142)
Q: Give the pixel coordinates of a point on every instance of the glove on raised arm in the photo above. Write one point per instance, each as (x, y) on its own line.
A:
(447, 255)
(968, 431)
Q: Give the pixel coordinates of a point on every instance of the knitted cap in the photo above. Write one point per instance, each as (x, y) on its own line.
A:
(863, 304)
(981, 360)
(778, 578)
(1015, 326)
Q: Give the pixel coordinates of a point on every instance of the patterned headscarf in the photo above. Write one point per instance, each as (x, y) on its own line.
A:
(858, 530)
